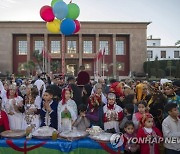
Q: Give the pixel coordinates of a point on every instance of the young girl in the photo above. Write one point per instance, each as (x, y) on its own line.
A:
(4, 122)
(13, 107)
(138, 115)
(112, 115)
(67, 111)
(130, 148)
(148, 131)
(48, 111)
(32, 108)
(82, 123)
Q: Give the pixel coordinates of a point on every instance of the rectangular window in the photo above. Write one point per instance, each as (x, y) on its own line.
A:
(104, 44)
(55, 46)
(163, 54)
(149, 54)
(71, 47)
(39, 45)
(87, 47)
(22, 47)
(120, 48)
(176, 54)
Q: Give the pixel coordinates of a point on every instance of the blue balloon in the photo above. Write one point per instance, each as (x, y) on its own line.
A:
(67, 26)
(60, 10)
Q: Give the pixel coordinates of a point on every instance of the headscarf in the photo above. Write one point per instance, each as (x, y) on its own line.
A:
(63, 94)
(12, 87)
(116, 88)
(144, 118)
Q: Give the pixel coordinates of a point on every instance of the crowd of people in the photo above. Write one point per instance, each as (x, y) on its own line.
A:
(136, 108)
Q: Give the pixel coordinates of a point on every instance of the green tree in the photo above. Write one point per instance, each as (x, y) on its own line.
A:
(156, 66)
(55, 65)
(177, 69)
(39, 58)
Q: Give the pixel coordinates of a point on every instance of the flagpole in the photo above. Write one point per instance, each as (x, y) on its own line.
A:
(43, 58)
(97, 67)
(103, 65)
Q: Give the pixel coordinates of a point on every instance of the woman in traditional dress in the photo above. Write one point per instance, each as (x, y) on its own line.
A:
(13, 107)
(67, 111)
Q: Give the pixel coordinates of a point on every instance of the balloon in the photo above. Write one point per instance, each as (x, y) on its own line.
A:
(78, 26)
(46, 13)
(67, 26)
(54, 1)
(73, 11)
(60, 10)
(54, 26)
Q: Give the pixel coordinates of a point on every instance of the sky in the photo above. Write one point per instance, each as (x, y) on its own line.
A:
(164, 14)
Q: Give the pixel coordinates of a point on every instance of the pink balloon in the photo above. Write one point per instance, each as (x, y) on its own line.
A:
(78, 26)
(47, 14)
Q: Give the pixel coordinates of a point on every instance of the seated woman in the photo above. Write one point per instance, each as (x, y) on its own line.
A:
(95, 110)
(67, 111)
(32, 108)
(13, 108)
(4, 122)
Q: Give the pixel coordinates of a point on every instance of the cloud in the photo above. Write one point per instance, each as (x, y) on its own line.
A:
(7, 3)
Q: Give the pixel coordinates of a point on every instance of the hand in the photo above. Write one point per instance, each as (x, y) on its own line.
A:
(11, 113)
(66, 110)
(82, 114)
(121, 98)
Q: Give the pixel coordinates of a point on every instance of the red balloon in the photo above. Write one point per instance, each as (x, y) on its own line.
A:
(78, 26)
(47, 14)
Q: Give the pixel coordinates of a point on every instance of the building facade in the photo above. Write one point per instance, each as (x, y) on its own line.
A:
(124, 44)
(154, 49)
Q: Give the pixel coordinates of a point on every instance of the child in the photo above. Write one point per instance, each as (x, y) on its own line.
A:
(82, 123)
(138, 115)
(67, 111)
(128, 112)
(13, 106)
(48, 113)
(148, 131)
(171, 128)
(4, 122)
(112, 115)
(130, 148)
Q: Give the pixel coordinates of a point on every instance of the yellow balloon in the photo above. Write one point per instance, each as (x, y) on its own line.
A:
(54, 26)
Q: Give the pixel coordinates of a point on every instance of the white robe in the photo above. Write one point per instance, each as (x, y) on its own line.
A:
(35, 117)
(65, 124)
(112, 124)
(15, 120)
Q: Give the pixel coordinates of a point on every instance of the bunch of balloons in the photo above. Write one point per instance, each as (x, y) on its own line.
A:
(61, 17)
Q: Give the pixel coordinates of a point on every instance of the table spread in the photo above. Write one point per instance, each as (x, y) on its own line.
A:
(38, 146)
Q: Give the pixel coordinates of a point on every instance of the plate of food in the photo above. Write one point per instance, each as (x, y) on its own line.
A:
(13, 133)
(73, 135)
(101, 137)
(44, 132)
(94, 130)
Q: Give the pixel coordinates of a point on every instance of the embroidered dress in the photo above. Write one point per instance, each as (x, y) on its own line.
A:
(67, 114)
(15, 120)
(30, 118)
(112, 116)
(151, 148)
(4, 122)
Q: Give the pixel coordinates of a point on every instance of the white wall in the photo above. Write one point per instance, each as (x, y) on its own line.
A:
(153, 42)
(169, 52)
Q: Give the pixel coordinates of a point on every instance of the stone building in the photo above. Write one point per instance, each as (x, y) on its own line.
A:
(124, 44)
